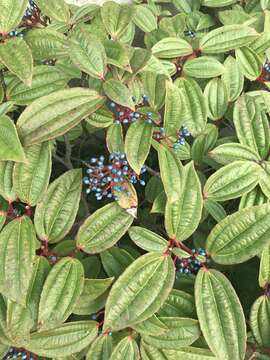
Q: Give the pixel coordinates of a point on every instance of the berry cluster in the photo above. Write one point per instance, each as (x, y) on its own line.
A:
(192, 264)
(124, 115)
(159, 134)
(266, 67)
(182, 134)
(31, 10)
(15, 33)
(190, 34)
(14, 353)
(105, 179)
(17, 209)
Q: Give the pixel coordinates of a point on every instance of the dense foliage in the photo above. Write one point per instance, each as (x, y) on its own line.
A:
(135, 180)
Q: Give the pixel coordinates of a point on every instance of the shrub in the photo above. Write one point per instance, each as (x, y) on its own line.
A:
(135, 180)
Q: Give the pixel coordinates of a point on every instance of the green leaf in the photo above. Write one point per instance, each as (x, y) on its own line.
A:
(171, 47)
(249, 62)
(6, 184)
(30, 180)
(115, 260)
(173, 26)
(53, 115)
(182, 216)
(145, 19)
(55, 214)
(252, 198)
(203, 143)
(119, 93)
(117, 55)
(60, 293)
(195, 111)
(240, 236)
(91, 307)
(88, 54)
(264, 274)
(57, 10)
(188, 353)
(102, 118)
(232, 181)
(92, 290)
(215, 209)
(150, 326)
(16, 55)
(187, 7)
(126, 349)
(47, 44)
(10, 146)
(171, 173)
(3, 211)
(260, 320)
(218, 3)
(154, 86)
(261, 44)
(103, 229)
(12, 12)
(173, 109)
(147, 240)
(64, 340)
(178, 304)
(226, 38)
(3, 323)
(101, 348)
(217, 98)
(159, 203)
(264, 180)
(46, 79)
(137, 144)
(181, 332)
(251, 125)
(233, 78)
(17, 255)
(115, 138)
(227, 153)
(116, 18)
(140, 291)
(220, 314)
(203, 67)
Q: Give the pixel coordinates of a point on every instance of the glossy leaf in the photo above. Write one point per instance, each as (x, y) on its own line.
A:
(116, 18)
(251, 125)
(182, 216)
(232, 181)
(195, 111)
(127, 349)
(12, 12)
(145, 19)
(240, 236)
(6, 183)
(57, 10)
(227, 153)
(147, 239)
(233, 78)
(53, 115)
(64, 340)
(30, 180)
(115, 138)
(140, 291)
(101, 348)
(88, 54)
(249, 62)
(227, 38)
(217, 98)
(115, 260)
(173, 109)
(10, 146)
(103, 229)
(55, 214)
(17, 57)
(220, 314)
(264, 274)
(181, 332)
(119, 93)
(171, 47)
(17, 256)
(203, 67)
(60, 293)
(138, 143)
(178, 304)
(151, 326)
(260, 320)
